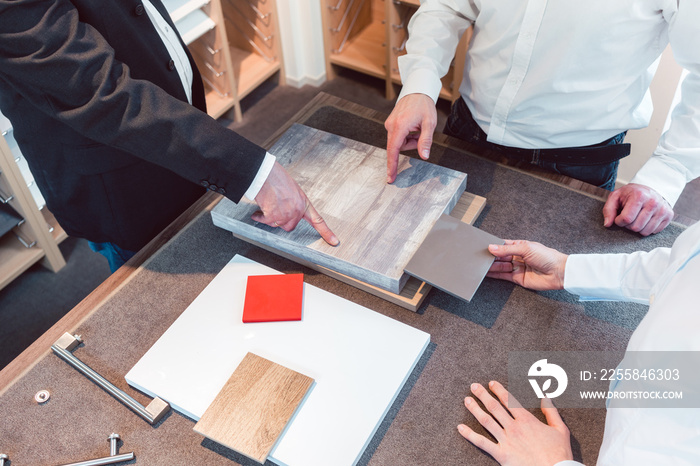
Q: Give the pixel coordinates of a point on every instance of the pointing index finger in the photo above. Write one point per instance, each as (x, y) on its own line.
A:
(394, 143)
(316, 221)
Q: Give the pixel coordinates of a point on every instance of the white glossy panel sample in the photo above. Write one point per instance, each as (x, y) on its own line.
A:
(360, 360)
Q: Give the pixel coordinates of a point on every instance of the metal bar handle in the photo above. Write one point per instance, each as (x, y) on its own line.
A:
(352, 24)
(402, 47)
(253, 44)
(344, 17)
(5, 198)
(106, 460)
(223, 95)
(19, 233)
(153, 413)
(404, 17)
(251, 24)
(214, 71)
(261, 16)
(213, 51)
(336, 7)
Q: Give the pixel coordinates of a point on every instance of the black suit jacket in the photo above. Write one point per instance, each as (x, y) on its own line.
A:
(100, 114)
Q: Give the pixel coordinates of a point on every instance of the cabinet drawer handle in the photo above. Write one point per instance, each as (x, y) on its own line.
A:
(5, 198)
(152, 413)
(336, 7)
(214, 70)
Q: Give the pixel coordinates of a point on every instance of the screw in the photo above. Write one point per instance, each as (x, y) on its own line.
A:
(42, 396)
(3, 458)
(113, 442)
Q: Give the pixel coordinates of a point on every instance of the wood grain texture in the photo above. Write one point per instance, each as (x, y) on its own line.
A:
(379, 225)
(414, 291)
(252, 410)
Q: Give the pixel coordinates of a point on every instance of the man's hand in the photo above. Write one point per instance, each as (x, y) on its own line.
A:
(522, 438)
(410, 126)
(283, 204)
(638, 208)
(528, 264)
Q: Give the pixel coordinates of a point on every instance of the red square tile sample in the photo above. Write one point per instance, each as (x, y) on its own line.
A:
(273, 298)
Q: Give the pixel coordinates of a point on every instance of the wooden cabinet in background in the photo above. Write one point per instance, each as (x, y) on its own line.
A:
(235, 44)
(369, 35)
(37, 237)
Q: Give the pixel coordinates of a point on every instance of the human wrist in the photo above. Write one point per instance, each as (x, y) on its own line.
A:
(421, 81)
(261, 177)
(560, 272)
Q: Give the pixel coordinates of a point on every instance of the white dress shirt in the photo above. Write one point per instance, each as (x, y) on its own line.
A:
(547, 74)
(667, 279)
(184, 70)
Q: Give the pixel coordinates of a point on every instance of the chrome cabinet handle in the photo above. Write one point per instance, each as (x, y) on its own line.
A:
(152, 413)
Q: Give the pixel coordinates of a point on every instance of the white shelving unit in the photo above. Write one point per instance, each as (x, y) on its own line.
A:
(235, 44)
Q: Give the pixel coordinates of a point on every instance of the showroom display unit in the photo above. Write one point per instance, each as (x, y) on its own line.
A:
(370, 35)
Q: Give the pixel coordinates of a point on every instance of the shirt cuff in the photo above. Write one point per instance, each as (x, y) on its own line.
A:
(662, 178)
(569, 463)
(594, 277)
(421, 81)
(261, 177)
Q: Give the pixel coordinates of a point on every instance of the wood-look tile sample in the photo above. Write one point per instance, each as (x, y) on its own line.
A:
(454, 257)
(253, 409)
(379, 225)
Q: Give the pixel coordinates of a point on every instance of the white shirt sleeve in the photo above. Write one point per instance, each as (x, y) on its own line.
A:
(676, 160)
(569, 463)
(617, 277)
(261, 177)
(435, 30)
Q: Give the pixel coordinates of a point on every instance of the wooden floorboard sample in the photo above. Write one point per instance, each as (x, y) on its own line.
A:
(379, 225)
(253, 409)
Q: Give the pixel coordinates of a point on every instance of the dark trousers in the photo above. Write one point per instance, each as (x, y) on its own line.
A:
(116, 256)
(596, 164)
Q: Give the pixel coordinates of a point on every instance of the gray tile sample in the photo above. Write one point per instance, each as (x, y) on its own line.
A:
(379, 225)
(454, 257)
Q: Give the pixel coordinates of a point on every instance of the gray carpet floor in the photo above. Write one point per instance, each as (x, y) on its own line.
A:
(37, 299)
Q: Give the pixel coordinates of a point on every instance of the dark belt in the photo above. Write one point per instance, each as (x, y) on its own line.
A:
(597, 154)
